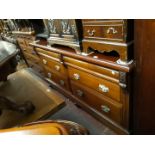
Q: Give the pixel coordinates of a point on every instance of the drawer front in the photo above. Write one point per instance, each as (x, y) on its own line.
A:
(94, 68)
(32, 58)
(105, 87)
(110, 32)
(21, 41)
(27, 41)
(63, 82)
(96, 100)
(52, 54)
(36, 67)
(53, 65)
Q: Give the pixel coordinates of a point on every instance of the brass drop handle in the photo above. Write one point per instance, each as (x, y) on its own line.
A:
(105, 108)
(62, 82)
(49, 75)
(79, 93)
(112, 30)
(91, 33)
(103, 88)
(76, 76)
(57, 68)
(44, 61)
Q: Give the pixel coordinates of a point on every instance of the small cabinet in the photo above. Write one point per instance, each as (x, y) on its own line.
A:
(65, 32)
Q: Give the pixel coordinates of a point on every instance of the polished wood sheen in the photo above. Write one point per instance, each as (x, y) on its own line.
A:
(95, 82)
(144, 83)
(48, 127)
(111, 109)
(30, 87)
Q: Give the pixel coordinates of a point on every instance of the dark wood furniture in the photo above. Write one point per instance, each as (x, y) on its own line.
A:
(23, 40)
(26, 86)
(96, 82)
(144, 98)
(107, 36)
(66, 32)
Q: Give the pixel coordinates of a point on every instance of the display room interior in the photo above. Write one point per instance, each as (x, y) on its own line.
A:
(77, 76)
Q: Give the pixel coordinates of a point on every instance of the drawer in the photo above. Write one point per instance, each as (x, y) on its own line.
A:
(105, 32)
(55, 56)
(111, 109)
(103, 86)
(27, 41)
(60, 80)
(92, 68)
(32, 58)
(36, 67)
(21, 42)
(53, 65)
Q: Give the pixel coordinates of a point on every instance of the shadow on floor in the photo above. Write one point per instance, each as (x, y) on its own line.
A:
(75, 114)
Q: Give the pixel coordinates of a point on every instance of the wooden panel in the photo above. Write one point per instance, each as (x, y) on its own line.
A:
(94, 68)
(61, 80)
(53, 65)
(144, 83)
(49, 53)
(96, 100)
(103, 86)
(21, 41)
(32, 88)
(104, 32)
(32, 58)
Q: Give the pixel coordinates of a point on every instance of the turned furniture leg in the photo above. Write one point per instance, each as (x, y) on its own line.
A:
(25, 108)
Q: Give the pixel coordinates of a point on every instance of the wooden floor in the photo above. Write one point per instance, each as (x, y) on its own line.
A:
(73, 113)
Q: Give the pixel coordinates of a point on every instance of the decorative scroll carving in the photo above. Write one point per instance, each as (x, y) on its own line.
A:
(66, 29)
(52, 26)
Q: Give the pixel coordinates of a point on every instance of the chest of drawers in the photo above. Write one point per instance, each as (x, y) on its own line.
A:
(101, 90)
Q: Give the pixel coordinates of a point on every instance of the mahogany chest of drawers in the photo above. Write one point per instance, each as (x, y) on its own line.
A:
(102, 90)
(98, 82)
(28, 52)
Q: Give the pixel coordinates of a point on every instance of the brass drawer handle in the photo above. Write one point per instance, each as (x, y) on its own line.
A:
(62, 82)
(91, 33)
(105, 108)
(79, 93)
(49, 75)
(112, 30)
(44, 61)
(57, 68)
(76, 76)
(103, 88)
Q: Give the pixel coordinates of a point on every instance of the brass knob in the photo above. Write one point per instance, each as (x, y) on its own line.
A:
(62, 82)
(103, 88)
(57, 68)
(105, 108)
(91, 33)
(79, 93)
(49, 75)
(44, 61)
(76, 76)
